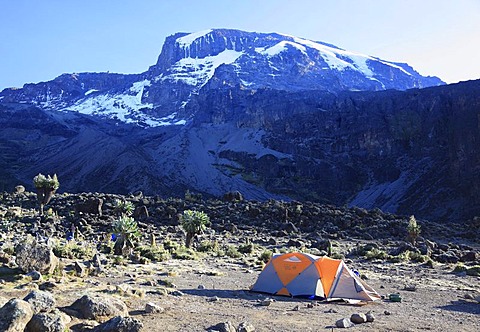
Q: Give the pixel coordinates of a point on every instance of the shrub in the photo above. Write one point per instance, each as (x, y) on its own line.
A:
(72, 250)
(154, 253)
(127, 232)
(246, 248)
(184, 253)
(208, 246)
(170, 245)
(46, 187)
(413, 230)
(42, 181)
(121, 207)
(265, 256)
(232, 252)
(193, 223)
(376, 253)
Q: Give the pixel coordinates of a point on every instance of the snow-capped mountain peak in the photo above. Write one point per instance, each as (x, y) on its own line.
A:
(214, 59)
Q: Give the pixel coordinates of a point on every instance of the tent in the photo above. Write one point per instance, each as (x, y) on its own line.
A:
(299, 274)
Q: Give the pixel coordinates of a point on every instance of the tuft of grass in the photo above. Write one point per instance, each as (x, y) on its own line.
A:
(375, 253)
(232, 252)
(208, 246)
(72, 249)
(265, 256)
(170, 245)
(185, 253)
(155, 253)
(246, 248)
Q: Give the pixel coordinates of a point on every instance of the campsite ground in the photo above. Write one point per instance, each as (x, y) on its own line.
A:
(198, 294)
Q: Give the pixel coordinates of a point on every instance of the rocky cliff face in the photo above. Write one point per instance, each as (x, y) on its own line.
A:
(270, 115)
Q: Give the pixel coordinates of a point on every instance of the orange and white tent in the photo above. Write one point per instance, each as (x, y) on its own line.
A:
(299, 274)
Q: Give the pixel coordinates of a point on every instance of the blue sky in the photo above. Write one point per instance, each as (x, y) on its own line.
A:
(40, 40)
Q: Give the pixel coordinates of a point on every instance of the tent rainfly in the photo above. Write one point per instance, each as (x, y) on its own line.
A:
(299, 274)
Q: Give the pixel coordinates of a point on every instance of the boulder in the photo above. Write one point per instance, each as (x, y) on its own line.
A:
(15, 315)
(99, 307)
(344, 323)
(358, 318)
(152, 308)
(140, 213)
(233, 196)
(119, 324)
(47, 322)
(224, 327)
(34, 256)
(245, 327)
(93, 206)
(19, 189)
(40, 301)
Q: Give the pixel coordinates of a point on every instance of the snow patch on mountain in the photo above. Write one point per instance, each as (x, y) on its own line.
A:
(281, 47)
(127, 107)
(197, 71)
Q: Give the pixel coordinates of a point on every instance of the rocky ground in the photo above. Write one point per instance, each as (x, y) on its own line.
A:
(163, 286)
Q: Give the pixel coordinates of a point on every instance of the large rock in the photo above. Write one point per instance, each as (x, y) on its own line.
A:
(119, 324)
(47, 322)
(40, 301)
(93, 206)
(15, 315)
(35, 256)
(99, 308)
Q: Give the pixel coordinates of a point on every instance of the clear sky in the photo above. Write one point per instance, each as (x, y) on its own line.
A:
(41, 39)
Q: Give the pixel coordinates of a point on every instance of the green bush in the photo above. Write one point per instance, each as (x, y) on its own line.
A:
(265, 256)
(154, 253)
(185, 253)
(208, 246)
(42, 181)
(127, 232)
(375, 253)
(121, 207)
(170, 245)
(72, 250)
(246, 248)
(232, 252)
(413, 230)
(193, 223)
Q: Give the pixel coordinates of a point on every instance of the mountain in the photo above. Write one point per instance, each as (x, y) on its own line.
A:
(269, 115)
(215, 59)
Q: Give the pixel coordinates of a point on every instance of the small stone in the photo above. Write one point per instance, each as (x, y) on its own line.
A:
(177, 293)
(224, 327)
(410, 288)
(296, 308)
(35, 275)
(245, 327)
(344, 323)
(387, 313)
(201, 287)
(331, 311)
(358, 318)
(266, 302)
(152, 308)
(212, 299)
(370, 317)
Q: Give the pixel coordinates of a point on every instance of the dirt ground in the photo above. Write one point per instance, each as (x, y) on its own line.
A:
(197, 295)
